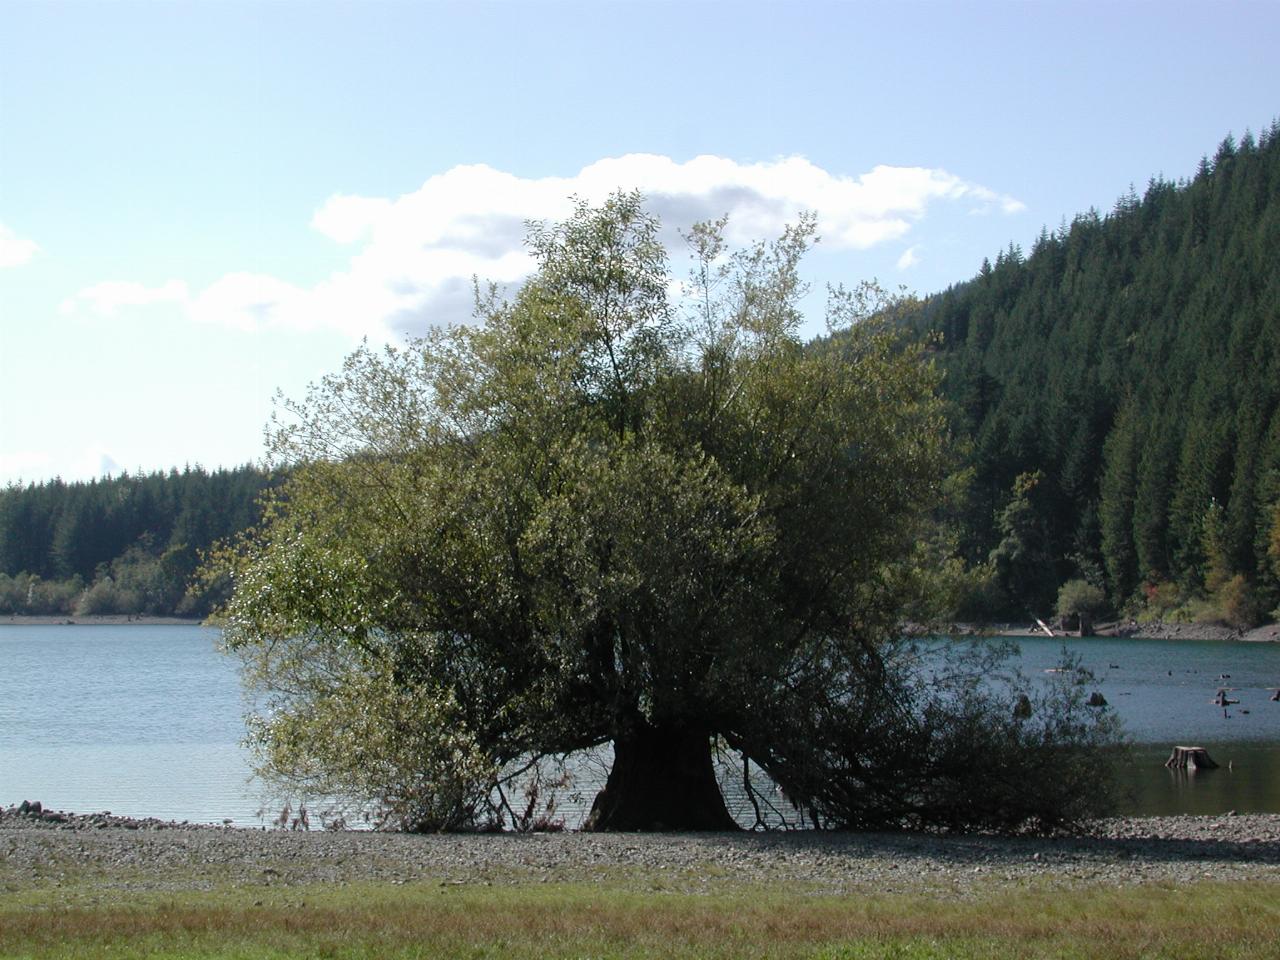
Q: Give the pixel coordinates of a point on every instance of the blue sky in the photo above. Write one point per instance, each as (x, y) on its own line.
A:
(202, 203)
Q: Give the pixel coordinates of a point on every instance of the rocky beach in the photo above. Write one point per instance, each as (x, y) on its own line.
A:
(40, 848)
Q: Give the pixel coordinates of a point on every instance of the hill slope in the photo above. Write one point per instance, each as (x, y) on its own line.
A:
(1118, 394)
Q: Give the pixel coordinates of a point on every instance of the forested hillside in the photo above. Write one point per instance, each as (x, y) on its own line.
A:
(1116, 391)
(127, 544)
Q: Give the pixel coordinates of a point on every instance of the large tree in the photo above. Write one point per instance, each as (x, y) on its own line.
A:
(601, 514)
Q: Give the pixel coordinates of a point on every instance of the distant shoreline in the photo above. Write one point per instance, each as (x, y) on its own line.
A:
(1267, 633)
(97, 620)
(1124, 630)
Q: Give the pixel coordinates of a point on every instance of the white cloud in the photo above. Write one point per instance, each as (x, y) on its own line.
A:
(910, 257)
(414, 256)
(15, 250)
(108, 298)
(248, 301)
(347, 219)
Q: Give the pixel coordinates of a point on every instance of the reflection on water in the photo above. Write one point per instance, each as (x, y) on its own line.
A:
(1247, 781)
(146, 721)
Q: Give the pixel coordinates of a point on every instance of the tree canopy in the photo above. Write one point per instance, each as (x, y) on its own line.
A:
(606, 514)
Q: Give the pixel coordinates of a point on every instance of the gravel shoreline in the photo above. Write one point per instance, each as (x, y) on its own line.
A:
(44, 849)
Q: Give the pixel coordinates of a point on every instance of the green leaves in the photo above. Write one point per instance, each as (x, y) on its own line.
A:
(367, 737)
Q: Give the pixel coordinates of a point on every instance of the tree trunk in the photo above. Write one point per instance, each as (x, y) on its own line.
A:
(662, 779)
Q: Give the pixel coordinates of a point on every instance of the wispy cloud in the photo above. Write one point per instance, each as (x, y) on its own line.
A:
(413, 256)
(15, 250)
(85, 464)
(108, 298)
(989, 200)
(910, 257)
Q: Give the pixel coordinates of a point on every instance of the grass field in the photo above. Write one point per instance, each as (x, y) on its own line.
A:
(1208, 920)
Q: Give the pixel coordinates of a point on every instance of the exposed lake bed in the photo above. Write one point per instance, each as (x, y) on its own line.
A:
(1118, 851)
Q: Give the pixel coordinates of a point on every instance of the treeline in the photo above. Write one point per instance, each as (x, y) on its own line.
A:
(1116, 393)
(122, 545)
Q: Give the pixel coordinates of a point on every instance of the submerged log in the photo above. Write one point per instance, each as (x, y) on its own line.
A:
(1194, 758)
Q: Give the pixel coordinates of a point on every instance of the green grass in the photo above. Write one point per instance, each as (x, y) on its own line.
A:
(1209, 920)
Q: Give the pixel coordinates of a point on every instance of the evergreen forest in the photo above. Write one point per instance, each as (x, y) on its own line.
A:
(120, 545)
(1115, 397)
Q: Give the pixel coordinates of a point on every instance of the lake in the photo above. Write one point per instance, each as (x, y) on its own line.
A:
(146, 720)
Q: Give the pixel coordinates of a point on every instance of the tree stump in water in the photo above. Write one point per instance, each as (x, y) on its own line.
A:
(1195, 758)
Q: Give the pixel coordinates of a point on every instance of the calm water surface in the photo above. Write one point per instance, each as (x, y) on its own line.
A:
(138, 720)
(1163, 692)
(147, 720)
